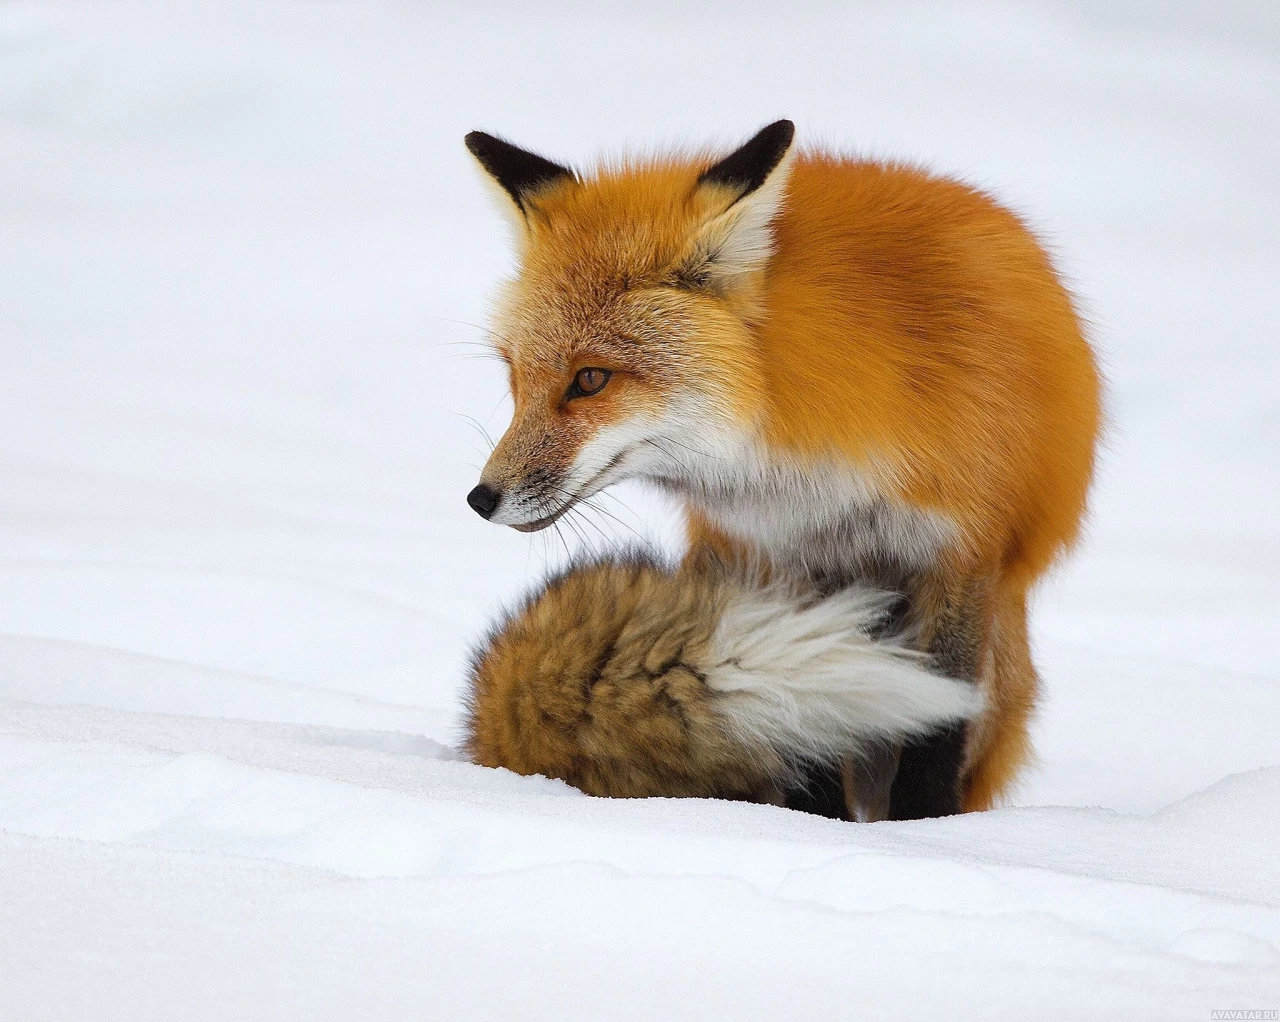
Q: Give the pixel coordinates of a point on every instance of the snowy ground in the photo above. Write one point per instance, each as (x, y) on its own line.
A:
(241, 248)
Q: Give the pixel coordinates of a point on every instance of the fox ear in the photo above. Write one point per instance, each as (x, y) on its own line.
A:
(745, 170)
(750, 182)
(518, 172)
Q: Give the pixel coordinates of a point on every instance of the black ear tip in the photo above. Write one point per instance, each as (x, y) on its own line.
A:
(783, 131)
(747, 167)
(775, 138)
(478, 141)
(517, 170)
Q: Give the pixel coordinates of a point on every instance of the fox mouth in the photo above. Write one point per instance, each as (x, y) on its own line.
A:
(584, 491)
(541, 523)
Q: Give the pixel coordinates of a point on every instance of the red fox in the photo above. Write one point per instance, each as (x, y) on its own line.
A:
(852, 372)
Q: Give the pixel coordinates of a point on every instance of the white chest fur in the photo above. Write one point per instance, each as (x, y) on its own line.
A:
(818, 520)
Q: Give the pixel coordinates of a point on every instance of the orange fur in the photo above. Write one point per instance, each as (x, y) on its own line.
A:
(598, 681)
(947, 355)
(904, 327)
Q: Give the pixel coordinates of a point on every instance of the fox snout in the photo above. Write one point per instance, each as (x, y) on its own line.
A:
(483, 500)
(546, 464)
(565, 442)
(528, 507)
(528, 482)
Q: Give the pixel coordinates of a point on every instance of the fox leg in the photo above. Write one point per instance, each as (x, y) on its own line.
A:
(961, 767)
(821, 793)
(868, 783)
(923, 779)
(954, 616)
(999, 745)
(868, 778)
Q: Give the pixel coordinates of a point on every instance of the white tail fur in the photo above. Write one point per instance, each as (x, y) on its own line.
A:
(808, 679)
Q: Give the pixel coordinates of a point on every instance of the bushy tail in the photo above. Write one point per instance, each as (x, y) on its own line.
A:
(808, 678)
(625, 677)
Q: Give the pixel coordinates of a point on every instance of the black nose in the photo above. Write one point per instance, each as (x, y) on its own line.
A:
(483, 500)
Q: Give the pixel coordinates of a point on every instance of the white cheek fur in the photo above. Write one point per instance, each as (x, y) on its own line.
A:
(816, 517)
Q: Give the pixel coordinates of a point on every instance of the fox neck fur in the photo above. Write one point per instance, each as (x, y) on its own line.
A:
(821, 521)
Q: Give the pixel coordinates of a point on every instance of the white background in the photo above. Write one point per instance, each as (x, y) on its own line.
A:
(244, 269)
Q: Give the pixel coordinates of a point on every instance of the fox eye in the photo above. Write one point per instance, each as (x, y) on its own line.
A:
(588, 381)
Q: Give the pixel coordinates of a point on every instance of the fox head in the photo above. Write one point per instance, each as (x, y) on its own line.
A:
(627, 329)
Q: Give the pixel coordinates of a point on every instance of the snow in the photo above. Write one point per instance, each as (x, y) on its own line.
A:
(243, 256)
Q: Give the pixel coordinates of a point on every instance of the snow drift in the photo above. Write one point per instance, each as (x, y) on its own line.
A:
(242, 262)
